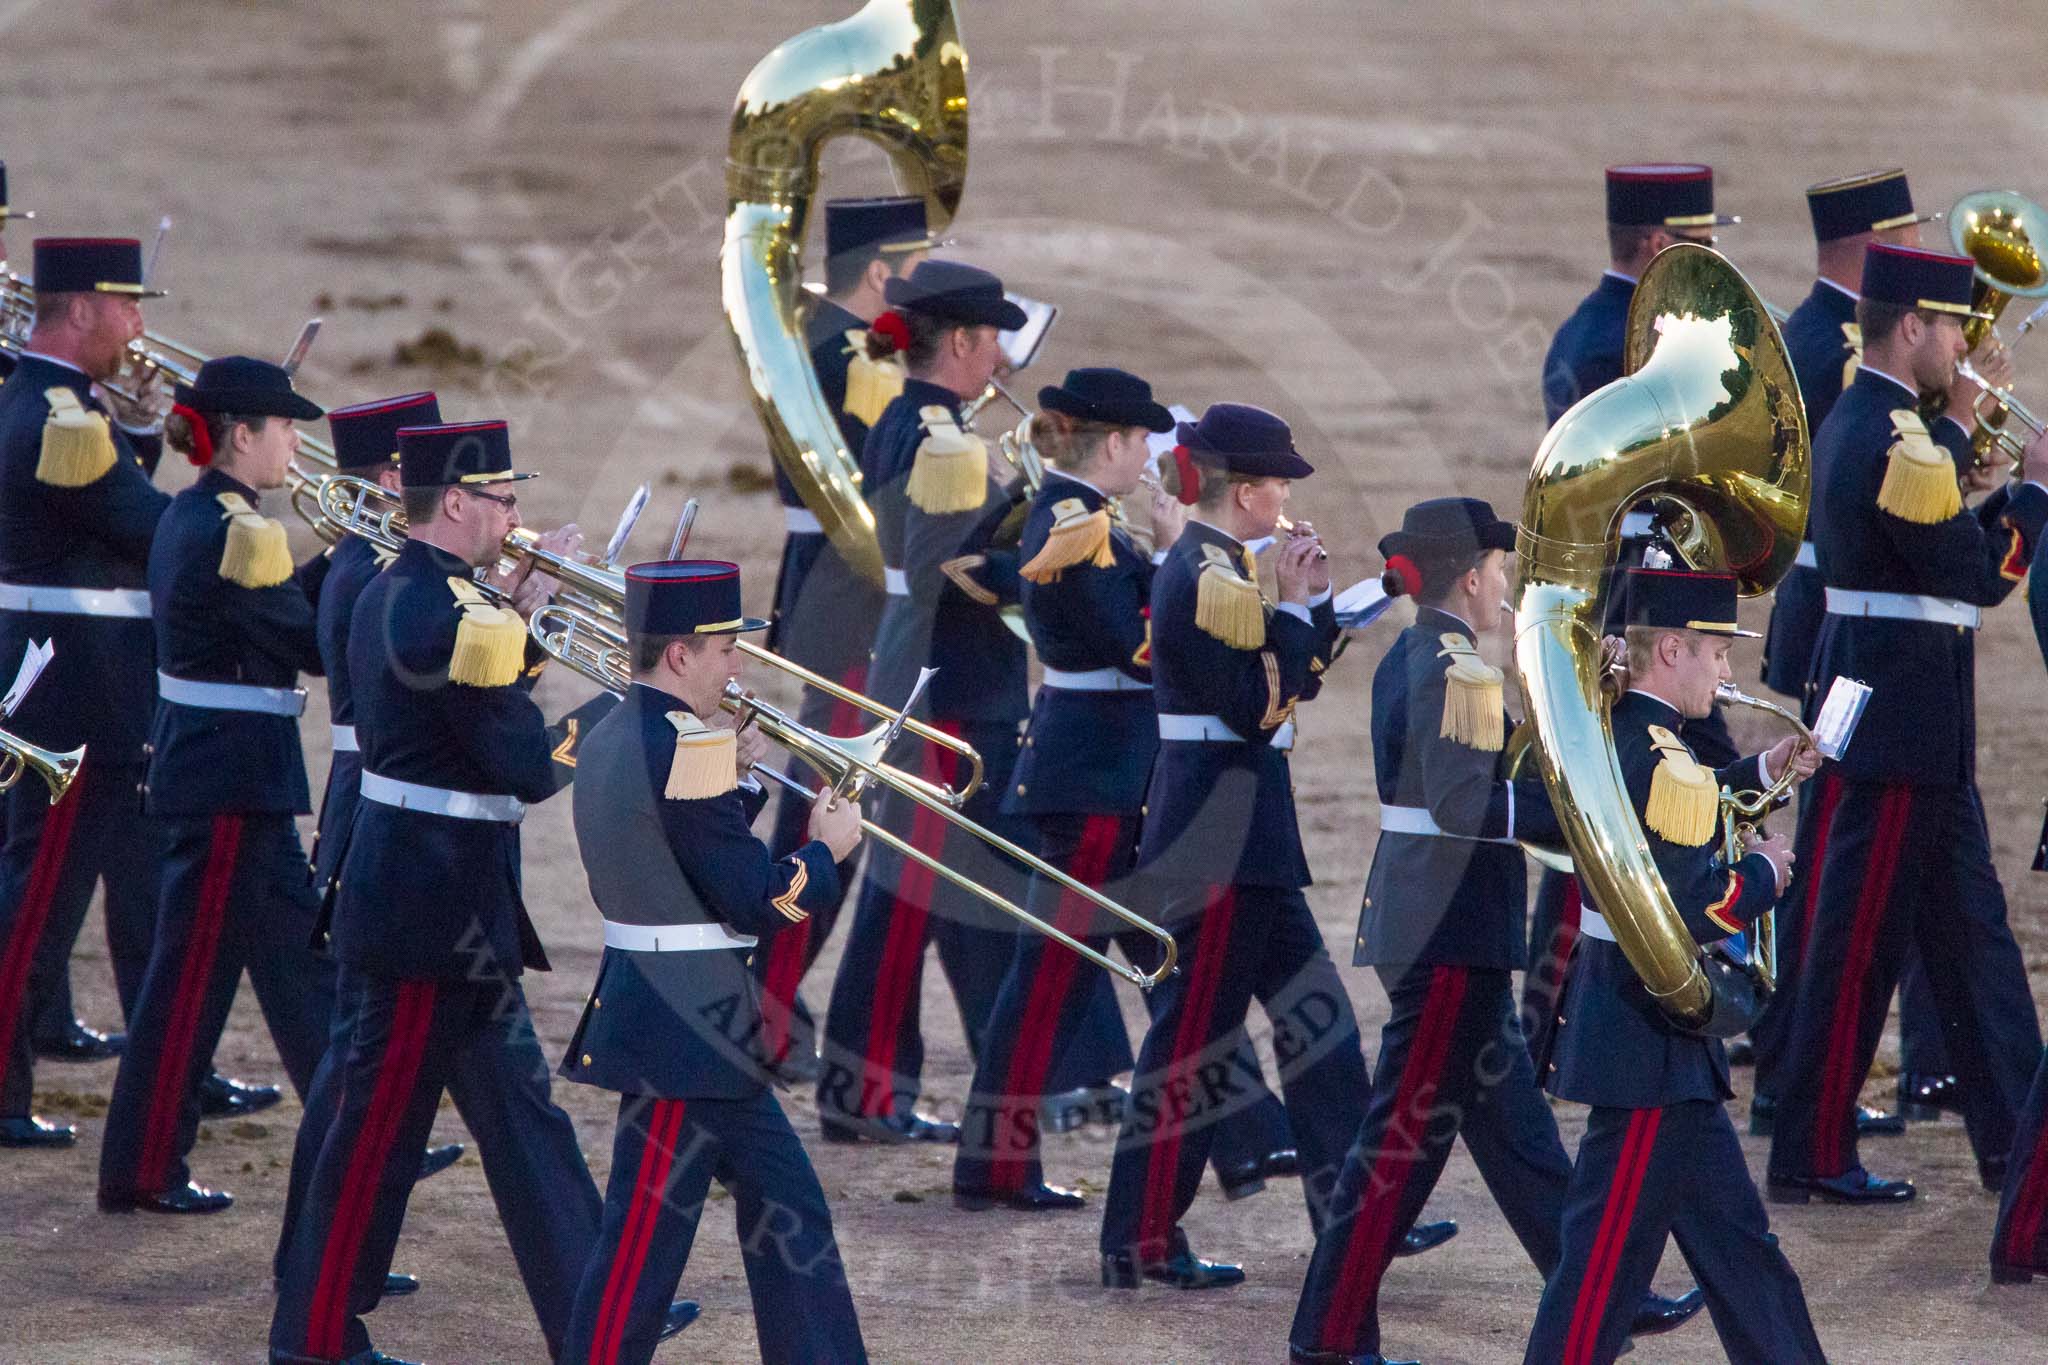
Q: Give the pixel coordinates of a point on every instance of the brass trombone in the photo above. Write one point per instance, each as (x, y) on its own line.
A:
(57, 770)
(595, 646)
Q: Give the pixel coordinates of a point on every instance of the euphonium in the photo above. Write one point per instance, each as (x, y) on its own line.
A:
(1708, 417)
(896, 74)
(2000, 231)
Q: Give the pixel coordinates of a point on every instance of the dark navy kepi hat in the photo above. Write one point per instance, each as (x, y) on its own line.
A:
(955, 292)
(1872, 201)
(1242, 439)
(1680, 599)
(91, 265)
(1912, 278)
(895, 224)
(464, 453)
(1442, 528)
(686, 597)
(1110, 396)
(244, 387)
(366, 434)
(1663, 194)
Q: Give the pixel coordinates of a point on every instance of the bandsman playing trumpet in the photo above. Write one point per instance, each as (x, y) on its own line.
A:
(686, 891)
(77, 513)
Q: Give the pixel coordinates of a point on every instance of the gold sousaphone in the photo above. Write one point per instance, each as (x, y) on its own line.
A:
(895, 74)
(1708, 420)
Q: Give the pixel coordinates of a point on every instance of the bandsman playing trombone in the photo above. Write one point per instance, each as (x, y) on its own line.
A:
(687, 894)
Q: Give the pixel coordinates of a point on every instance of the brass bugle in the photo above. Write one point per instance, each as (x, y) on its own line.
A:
(1286, 528)
(597, 649)
(58, 771)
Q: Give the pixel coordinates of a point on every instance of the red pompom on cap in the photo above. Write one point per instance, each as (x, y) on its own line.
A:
(1402, 577)
(201, 453)
(1190, 481)
(893, 329)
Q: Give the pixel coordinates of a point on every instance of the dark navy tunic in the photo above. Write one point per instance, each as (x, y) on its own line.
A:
(1586, 353)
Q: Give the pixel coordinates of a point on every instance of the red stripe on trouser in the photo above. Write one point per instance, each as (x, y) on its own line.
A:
(778, 989)
(45, 872)
(1038, 1029)
(195, 975)
(650, 1184)
(2023, 1228)
(1372, 1227)
(1841, 1078)
(397, 1072)
(1598, 1278)
(1830, 795)
(1212, 941)
(903, 949)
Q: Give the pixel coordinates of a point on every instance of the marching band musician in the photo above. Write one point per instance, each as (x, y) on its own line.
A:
(1660, 1156)
(1908, 569)
(1442, 923)
(937, 509)
(1826, 346)
(1228, 671)
(686, 890)
(77, 512)
(428, 929)
(234, 629)
(825, 613)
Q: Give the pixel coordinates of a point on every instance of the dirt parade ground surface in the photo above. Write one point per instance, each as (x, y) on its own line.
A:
(1368, 217)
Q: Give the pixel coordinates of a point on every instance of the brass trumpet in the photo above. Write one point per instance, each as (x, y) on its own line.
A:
(58, 771)
(595, 646)
(1993, 406)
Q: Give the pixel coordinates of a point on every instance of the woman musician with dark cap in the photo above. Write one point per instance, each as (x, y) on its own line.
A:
(1081, 781)
(1442, 924)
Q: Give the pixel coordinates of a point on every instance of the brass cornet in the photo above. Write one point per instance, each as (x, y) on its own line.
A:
(57, 770)
(1993, 406)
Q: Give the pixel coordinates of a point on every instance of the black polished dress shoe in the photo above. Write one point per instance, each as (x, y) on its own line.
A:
(26, 1130)
(890, 1129)
(801, 1067)
(1297, 1356)
(681, 1314)
(187, 1198)
(1856, 1186)
(223, 1097)
(1923, 1097)
(1763, 1119)
(372, 1356)
(1427, 1236)
(1741, 1052)
(78, 1043)
(435, 1160)
(1248, 1177)
(397, 1286)
(1659, 1314)
(1039, 1198)
(1100, 1102)
(2013, 1274)
(1182, 1270)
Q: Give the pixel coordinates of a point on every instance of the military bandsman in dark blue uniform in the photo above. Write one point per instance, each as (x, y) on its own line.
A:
(825, 613)
(428, 927)
(1908, 571)
(673, 1023)
(1228, 671)
(1660, 1155)
(77, 513)
(937, 510)
(1443, 924)
(234, 629)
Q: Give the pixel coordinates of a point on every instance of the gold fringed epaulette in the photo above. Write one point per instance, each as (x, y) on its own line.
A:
(490, 642)
(706, 762)
(78, 446)
(257, 554)
(950, 471)
(1077, 534)
(1685, 800)
(1227, 604)
(1919, 477)
(1852, 338)
(1474, 713)
(871, 384)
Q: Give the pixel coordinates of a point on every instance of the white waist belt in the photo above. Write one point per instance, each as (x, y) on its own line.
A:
(895, 581)
(801, 521)
(345, 739)
(1806, 558)
(673, 938)
(1418, 820)
(1212, 730)
(132, 603)
(1593, 924)
(389, 791)
(1903, 606)
(1095, 680)
(220, 696)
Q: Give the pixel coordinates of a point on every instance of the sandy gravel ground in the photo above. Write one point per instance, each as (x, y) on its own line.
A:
(1368, 216)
